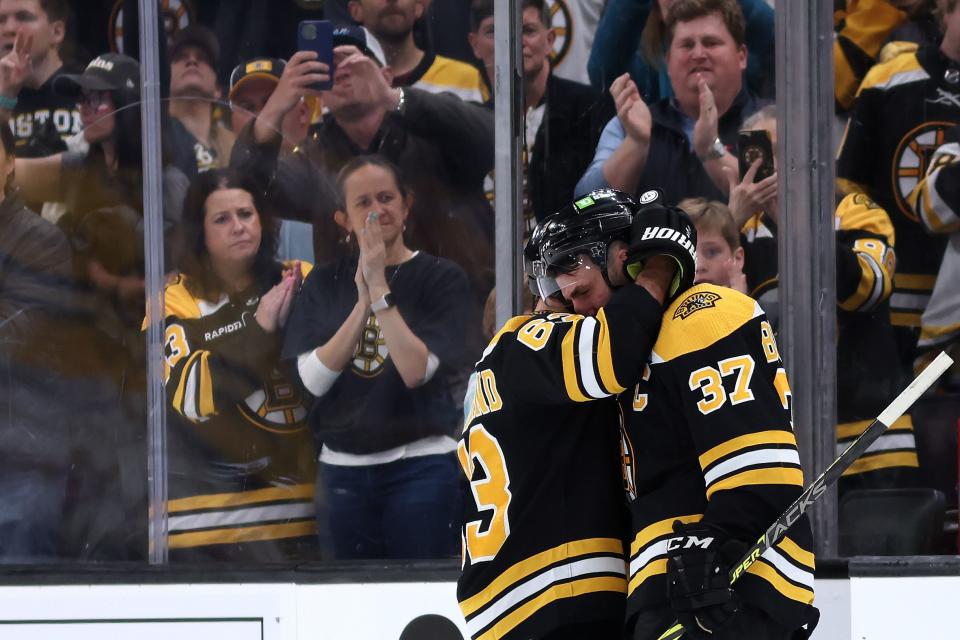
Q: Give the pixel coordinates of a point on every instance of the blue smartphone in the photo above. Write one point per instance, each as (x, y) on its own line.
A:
(317, 35)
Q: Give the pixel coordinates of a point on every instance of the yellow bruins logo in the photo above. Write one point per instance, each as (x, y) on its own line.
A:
(695, 302)
(864, 201)
(562, 21)
(278, 406)
(911, 160)
(371, 351)
(174, 15)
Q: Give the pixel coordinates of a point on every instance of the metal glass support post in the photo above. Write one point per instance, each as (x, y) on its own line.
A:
(508, 170)
(153, 239)
(804, 36)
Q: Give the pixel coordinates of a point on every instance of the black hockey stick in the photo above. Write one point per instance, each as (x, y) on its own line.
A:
(810, 495)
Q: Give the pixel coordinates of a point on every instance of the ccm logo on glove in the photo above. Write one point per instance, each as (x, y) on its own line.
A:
(688, 542)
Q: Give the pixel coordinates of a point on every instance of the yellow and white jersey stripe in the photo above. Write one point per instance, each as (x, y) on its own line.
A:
(712, 441)
(934, 197)
(864, 229)
(787, 567)
(897, 446)
(229, 518)
(572, 569)
(761, 458)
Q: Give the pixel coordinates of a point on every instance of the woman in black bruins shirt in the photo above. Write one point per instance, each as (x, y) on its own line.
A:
(376, 337)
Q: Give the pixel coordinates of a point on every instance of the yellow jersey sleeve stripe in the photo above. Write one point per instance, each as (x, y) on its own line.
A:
(918, 281)
(797, 553)
(658, 529)
(930, 331)
(222, 500)
(557, 592)
(206, 386)
(704, 315)
(535, 563)
(868, 280)
(654, 568)
(749, 440)
(605, 357)
(243, 534)
(854, 429)
(922, 200)
(883, 461)
(568, 350)
(905, 318)
(763, 570)
(178, 395)
(777, 475)
(845, 81)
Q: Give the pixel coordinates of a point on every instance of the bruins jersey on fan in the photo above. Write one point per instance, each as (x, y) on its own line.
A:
(241, 456)
(861, 27)
(709, 438)
(866, 345)
(903, 110)
(543, 535)
(936, 201)
(438, 74)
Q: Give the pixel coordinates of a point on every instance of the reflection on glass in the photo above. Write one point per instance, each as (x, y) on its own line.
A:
(377, 338)
(240, 456)
(896, 91)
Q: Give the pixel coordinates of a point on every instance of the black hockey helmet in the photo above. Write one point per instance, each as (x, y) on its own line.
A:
(542, 284)
(587, 226)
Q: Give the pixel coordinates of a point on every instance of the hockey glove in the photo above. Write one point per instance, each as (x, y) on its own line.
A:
(698, 584)
(659, 230)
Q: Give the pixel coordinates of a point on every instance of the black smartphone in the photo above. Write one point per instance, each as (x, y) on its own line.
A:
(752, 145)
(317, 35)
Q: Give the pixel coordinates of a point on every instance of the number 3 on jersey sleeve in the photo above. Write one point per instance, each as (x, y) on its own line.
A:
(491, 492)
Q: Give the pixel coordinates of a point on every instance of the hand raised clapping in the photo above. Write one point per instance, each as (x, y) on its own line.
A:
(274, 307)
(633, 112)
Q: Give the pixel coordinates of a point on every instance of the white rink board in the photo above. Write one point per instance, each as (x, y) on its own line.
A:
(855, 609)
(924, 607)
(140, 629)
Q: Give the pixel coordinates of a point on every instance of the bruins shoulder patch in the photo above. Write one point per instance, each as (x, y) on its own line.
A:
(695, 302)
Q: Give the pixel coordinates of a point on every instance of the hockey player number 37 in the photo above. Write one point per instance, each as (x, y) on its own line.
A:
(491, 492)
(710, 379)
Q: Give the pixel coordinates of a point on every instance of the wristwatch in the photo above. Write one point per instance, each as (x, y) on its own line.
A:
(716, 150)
(383, 303)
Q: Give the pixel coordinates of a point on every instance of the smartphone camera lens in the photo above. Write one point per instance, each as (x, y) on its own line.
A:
(309, 32)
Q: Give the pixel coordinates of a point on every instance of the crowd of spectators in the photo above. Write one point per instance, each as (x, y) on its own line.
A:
(329, 252)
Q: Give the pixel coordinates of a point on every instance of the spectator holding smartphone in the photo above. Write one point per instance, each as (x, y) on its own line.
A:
(444, 145)
(866, 343)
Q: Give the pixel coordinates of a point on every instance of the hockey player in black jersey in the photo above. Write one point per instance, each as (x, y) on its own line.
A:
(711, 460)
(543, 536)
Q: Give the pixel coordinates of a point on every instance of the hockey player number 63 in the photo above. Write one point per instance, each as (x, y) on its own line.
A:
(491, 492)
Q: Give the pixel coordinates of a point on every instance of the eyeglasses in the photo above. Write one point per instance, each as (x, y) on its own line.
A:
(95, 99)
